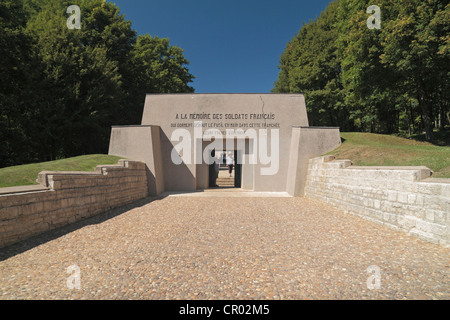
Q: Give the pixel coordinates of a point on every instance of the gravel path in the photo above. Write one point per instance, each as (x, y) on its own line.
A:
(225, 248)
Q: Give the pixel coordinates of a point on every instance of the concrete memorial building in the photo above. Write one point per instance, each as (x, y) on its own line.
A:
(268, 136)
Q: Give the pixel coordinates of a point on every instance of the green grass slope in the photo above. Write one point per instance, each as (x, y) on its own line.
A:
(367, 149)
(27, 174)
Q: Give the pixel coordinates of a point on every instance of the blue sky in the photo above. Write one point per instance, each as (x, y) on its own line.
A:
(233, 46)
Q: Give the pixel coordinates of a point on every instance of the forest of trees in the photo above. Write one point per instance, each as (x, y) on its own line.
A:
(61, 89)
(388, 80)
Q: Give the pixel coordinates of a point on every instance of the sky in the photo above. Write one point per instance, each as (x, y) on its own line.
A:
(233, 46)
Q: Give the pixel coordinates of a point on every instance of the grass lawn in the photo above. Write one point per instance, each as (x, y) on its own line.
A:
(367, 149)
(27, 174)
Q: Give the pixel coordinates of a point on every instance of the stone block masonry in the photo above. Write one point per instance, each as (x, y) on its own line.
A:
(66, 197)
(403, 198)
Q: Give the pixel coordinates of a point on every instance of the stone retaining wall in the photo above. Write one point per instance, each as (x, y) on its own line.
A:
(66, 197)
(403, 198)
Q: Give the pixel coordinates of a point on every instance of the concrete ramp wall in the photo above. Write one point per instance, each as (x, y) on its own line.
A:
(307, 143)
(66, 197)
(403, 198)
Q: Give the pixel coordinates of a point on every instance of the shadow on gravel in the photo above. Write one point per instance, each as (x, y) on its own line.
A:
(27, 244)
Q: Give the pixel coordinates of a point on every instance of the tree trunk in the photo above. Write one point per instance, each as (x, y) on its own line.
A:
(409, 122)
(427, 123)
(441, 117)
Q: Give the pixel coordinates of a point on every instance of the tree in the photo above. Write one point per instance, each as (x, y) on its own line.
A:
(310, 65)
(368, 83)
(16, 56)
(61, 90)
(416, 47)
(80, 89)
(158, 68)
(373, 76)
(163, 66)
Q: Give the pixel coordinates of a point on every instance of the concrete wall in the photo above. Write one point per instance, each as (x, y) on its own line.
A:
(307, 143)
(403, 198)
(269, 131)
(141, 143)
(67, 197)
(173, 111)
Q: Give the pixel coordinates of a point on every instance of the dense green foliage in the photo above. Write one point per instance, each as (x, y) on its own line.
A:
(388, 80)
(61, 89)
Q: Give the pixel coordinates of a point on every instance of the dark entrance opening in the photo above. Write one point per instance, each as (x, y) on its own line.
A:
(237, 171)
(219, 174)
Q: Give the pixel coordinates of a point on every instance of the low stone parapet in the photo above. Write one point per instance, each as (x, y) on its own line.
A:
(404, 198)
(62, 198)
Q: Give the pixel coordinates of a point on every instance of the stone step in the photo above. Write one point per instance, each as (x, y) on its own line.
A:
(225, 182)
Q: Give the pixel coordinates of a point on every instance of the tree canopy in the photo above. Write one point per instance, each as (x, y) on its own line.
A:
(61, 89)
(387, 80)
